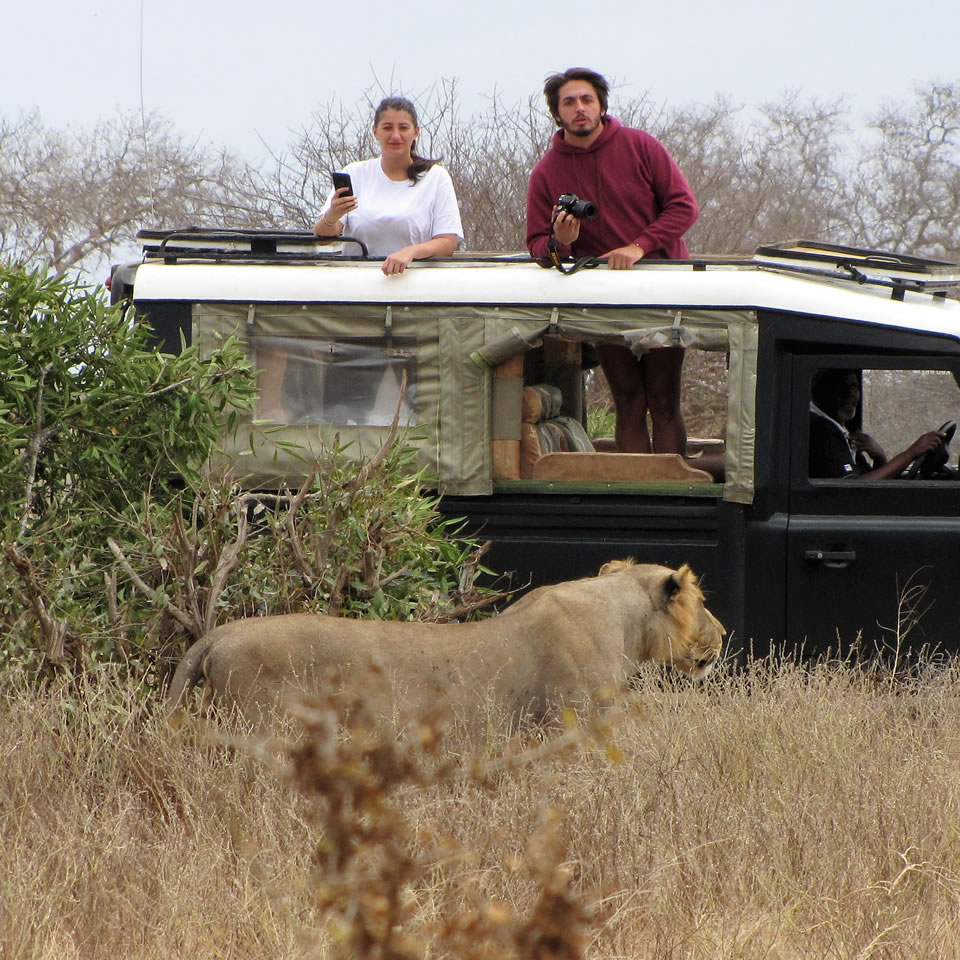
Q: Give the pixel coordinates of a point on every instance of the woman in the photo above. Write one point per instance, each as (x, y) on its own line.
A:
(403, 206)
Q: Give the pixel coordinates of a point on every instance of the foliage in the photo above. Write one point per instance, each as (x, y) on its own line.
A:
(357, 539)
(117, 541)
(92, 410)
(601, 421)
(94, 420)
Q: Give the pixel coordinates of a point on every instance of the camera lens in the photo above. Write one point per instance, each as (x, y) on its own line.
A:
(583, 209)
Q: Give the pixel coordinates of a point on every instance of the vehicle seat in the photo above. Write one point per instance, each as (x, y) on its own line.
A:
(558, 448)
(544, 431)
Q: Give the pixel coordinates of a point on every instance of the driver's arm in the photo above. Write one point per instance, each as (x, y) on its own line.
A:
(896, 465)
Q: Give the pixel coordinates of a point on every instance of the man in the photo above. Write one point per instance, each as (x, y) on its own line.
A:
(838, 447)
(644, 206)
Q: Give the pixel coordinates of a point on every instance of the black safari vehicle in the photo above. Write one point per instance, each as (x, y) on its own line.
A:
(490, 352)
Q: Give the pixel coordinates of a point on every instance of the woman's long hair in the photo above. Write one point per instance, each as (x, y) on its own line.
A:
(419, 165)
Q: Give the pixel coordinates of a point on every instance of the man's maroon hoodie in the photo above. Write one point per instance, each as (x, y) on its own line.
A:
(641, 195)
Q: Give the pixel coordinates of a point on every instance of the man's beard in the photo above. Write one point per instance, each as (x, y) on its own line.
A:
(583, 131)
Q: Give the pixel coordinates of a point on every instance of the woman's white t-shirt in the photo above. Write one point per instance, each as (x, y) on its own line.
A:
(392, 214)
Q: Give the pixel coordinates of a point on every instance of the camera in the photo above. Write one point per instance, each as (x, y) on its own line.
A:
(572, 204)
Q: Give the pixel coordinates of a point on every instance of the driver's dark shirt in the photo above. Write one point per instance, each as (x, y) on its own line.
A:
(830, 454)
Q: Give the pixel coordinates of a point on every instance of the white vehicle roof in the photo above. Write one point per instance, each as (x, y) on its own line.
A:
(813, 279)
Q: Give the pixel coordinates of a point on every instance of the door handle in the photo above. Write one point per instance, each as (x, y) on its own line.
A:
(832, 558)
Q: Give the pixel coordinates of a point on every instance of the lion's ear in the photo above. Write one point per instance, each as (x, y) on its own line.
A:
(672, 584)
(719, 626)
(677, 581)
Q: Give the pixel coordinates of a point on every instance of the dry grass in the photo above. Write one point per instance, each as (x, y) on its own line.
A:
(778, 813)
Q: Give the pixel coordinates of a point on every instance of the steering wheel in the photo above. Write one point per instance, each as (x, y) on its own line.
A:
(928, 465)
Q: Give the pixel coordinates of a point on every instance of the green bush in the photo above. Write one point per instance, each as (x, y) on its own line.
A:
(118, 544)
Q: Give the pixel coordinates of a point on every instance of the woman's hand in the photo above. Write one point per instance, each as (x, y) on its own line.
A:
(341, 205)
(398, 260)
(442, 245)
(329, 223)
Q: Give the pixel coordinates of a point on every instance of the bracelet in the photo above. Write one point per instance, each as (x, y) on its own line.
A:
(327, 222)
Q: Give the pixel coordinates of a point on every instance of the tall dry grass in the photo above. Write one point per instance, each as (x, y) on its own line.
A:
(776, 813)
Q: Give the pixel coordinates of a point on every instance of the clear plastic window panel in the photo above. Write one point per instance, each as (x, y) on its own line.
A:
(342, 382)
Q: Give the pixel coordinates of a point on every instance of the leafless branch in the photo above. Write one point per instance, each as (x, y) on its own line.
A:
(166, 604)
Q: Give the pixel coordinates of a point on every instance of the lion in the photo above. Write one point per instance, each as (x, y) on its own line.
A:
(565, 644)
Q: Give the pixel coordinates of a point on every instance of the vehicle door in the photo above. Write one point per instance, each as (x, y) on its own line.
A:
(875, 564)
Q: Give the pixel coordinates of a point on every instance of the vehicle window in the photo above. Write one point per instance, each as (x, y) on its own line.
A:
(703, 400)
(704, 396)
(341, 382)
(902, 404)
(863, 418)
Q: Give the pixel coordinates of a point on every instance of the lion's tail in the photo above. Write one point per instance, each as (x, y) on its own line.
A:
(188, 674)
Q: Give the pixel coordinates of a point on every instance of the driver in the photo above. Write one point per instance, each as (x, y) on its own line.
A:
(838, 448)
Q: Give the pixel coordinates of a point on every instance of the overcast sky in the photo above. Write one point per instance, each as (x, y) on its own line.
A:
(238, 73)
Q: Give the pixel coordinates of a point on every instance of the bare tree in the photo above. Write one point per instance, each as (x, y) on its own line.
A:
(489, 156)
(706, 143)
(777, 175)
(783, 170)
(491, 159)
(68, 198)
(292, 192)
(908, 186)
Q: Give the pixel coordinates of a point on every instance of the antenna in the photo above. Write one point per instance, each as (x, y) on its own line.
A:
(143, 123)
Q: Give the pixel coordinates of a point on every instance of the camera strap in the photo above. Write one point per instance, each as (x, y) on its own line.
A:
(584, 263)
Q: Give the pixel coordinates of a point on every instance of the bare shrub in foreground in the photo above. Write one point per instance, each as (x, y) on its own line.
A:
(370, 863)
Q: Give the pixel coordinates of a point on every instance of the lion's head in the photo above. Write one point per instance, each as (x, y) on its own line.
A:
(679, 630)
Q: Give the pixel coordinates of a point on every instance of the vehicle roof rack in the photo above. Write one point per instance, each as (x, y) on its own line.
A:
(895, 270)
(250, 245)
(202, 243)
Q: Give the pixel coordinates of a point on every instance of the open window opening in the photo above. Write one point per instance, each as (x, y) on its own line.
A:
(568, 421)
(868, 423)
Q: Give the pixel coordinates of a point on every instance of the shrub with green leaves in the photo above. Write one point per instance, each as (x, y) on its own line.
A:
(94, 420)
(92, 414)
(601, 422)
(118, 543)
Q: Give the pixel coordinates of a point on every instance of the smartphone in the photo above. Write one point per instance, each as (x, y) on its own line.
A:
(343, 180)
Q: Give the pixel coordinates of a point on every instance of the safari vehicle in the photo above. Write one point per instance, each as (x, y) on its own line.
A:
(490, 352)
